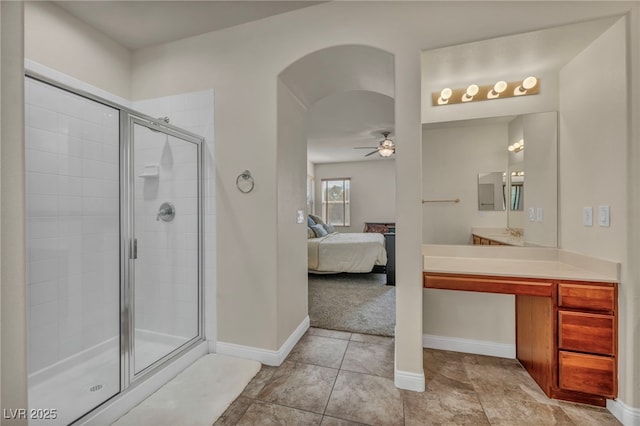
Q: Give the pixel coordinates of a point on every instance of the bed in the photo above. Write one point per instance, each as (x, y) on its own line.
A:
(346, 252)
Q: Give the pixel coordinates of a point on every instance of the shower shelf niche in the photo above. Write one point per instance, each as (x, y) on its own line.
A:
(150, 171)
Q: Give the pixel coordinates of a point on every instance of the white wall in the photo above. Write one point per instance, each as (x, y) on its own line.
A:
(594, 167)
(292, 190)
(373, 190)
(13, 339)
(452, 157)
(56, 38)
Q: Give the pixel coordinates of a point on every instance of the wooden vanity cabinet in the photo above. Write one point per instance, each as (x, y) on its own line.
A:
(478, 240)
(566, 331)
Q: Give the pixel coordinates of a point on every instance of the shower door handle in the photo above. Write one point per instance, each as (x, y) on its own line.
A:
(134, 249)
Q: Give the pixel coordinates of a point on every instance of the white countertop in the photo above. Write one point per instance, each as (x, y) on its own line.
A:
(518, 262)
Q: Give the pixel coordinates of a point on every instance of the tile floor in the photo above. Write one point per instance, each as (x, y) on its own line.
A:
(338, 378)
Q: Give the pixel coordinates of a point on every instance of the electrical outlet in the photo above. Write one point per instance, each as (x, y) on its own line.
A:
(603, 216)
(300, 216)
(532, 214)
(587, 216)
(539, 214)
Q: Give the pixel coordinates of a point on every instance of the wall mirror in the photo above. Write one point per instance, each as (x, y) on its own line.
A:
(492, 191)
(484, 162)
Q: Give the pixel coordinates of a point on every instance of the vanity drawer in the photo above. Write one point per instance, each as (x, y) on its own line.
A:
(592, 374)
(587, 296)
(586, 332)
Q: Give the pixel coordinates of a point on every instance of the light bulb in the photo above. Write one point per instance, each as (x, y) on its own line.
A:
(529, 83)
(497, 89)
(445, 95)
(511, 148)
(472, 90)
(500, 87)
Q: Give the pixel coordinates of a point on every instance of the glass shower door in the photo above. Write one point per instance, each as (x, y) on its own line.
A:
(166, 245)
(72, 151)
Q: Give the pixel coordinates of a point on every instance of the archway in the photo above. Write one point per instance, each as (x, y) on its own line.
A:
(361, 77)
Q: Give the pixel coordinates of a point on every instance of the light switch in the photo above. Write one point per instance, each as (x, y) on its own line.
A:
(539, 214)
(587, 216)
(300, 216)
(532, 214)
(603, 215)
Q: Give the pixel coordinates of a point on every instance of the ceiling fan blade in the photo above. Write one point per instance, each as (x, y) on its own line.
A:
(365, 147)
(371, 153)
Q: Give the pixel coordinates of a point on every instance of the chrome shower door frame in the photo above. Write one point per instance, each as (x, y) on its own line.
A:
(128, 249)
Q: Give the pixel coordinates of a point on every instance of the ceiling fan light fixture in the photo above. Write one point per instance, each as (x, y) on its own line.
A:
(386, 152)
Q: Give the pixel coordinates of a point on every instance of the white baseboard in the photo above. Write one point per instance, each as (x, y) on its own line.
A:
(409, 381)
(479, 347)
(628, 416)
(265, 356)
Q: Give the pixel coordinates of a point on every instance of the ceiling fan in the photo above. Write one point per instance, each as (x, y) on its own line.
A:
(385, 148)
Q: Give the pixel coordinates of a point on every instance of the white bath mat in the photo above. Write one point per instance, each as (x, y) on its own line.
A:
(195, 397)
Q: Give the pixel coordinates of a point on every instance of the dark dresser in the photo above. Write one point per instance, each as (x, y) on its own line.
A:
(388, 229)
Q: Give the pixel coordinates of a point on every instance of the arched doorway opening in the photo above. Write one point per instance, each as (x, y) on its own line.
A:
(330, 102)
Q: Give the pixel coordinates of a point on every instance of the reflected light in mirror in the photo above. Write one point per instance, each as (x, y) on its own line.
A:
(517, 146)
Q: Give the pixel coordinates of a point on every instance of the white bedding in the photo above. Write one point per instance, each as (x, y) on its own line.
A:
(348, 252)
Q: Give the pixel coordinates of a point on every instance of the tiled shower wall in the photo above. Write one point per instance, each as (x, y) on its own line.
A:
(72, 223)
(166, 271)
(192, 112)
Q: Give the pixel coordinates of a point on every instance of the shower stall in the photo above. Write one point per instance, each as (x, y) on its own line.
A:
(114, 248)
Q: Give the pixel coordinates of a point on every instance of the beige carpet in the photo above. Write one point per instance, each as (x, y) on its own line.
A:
(359, 303)
(195, 397)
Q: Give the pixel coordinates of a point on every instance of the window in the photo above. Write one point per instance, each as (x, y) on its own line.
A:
(335, 201)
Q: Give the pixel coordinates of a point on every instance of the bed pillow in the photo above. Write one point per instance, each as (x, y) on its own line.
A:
(316, 219)
(319, 231)
(329, 228)
(310, 221)
(310, 233)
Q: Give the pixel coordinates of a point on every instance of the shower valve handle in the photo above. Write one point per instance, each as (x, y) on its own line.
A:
(166, 213)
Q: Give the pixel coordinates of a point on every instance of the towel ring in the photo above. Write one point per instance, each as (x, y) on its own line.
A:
(244, 182)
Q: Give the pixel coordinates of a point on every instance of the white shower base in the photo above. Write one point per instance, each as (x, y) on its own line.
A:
(77, 385)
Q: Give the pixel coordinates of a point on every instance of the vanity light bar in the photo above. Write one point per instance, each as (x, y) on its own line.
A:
(499, 90)
(516, 146)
